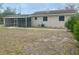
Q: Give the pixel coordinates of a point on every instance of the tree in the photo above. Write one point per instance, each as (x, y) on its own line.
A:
(9, 11)
(1, 6)
(71, 6)
(1, 21)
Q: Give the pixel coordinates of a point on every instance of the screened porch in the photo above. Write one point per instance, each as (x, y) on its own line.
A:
(15, 22)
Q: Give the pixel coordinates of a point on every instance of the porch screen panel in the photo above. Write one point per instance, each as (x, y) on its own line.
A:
(9, 22)
(21, 22)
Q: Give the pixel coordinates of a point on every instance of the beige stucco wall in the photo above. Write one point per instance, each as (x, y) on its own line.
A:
(53, 21)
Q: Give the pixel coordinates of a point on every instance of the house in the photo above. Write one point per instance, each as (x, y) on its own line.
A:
(53, 19)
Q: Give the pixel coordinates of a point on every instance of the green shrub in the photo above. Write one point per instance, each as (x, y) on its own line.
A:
(73, 25)
(70, 23)
(76, 31)
(1, 21)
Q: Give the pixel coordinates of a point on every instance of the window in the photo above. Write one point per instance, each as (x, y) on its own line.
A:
(35, 18)
(45, 18)
(61, 18)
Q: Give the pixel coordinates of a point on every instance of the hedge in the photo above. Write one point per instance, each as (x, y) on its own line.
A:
(73, 25)
(72, 20)
(76, 31)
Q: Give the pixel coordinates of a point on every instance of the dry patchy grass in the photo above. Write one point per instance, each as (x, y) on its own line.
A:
(33, 41)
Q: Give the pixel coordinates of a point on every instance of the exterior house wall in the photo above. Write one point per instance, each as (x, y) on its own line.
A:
(53, 21)
(38, 22)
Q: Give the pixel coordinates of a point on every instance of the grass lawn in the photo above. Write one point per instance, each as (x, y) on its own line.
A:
(36, 41)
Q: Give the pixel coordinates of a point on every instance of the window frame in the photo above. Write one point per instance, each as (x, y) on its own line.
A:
(61, 18)
(45, 18)
(35, 18)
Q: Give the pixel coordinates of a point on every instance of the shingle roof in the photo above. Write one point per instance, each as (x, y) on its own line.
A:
(44, 13)
(54, 12)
